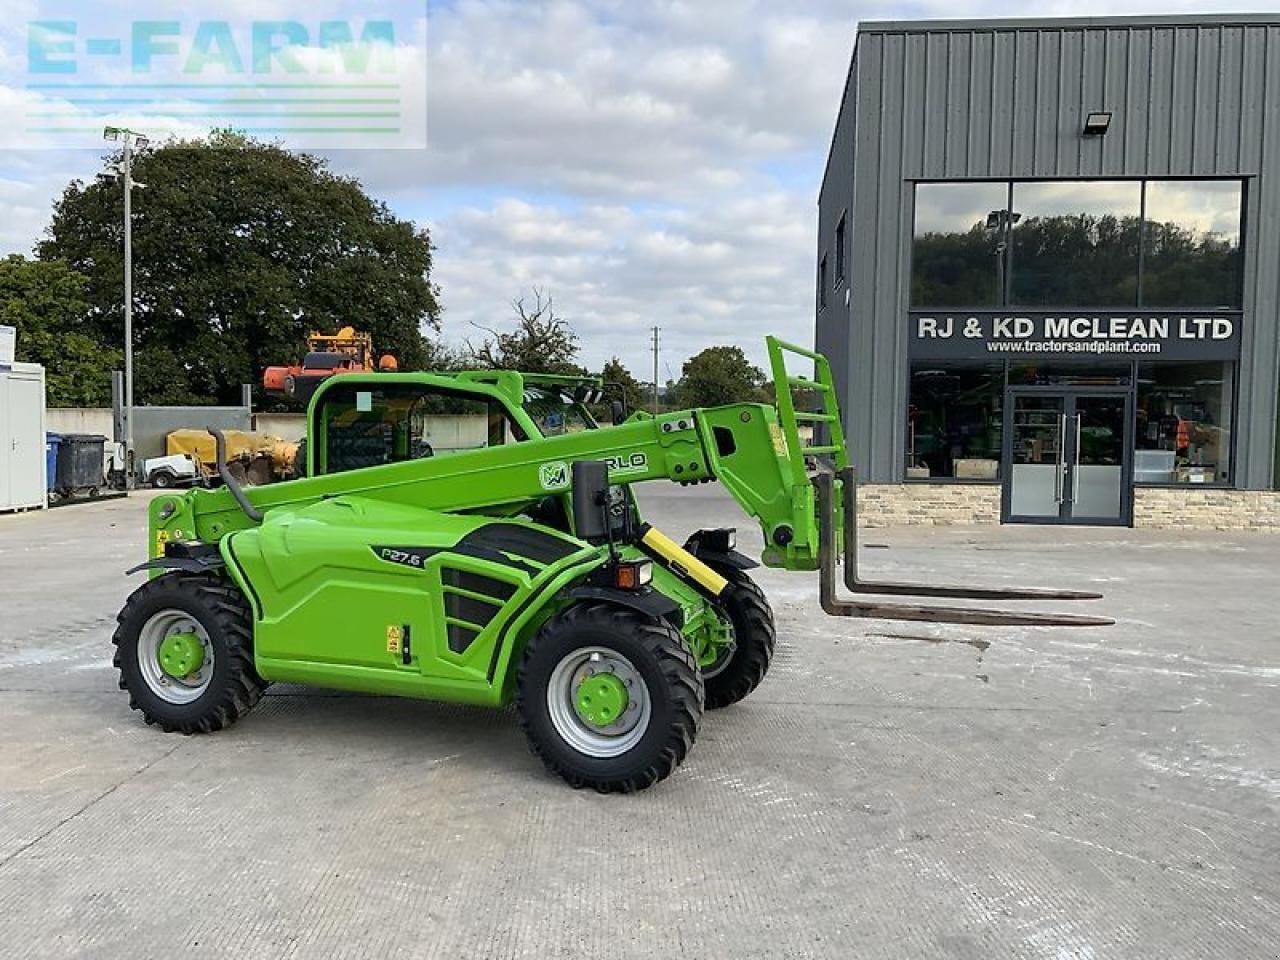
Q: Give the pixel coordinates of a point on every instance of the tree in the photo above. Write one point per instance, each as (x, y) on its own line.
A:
(541, 342)
(1078, 258)
(615, 373)
(719, 375)
(47, 303)
(443, 358)
(240, 249)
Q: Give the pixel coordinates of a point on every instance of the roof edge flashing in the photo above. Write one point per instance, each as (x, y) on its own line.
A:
(992, 25)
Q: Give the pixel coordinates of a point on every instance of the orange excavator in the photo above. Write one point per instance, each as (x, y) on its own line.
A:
(327, 356)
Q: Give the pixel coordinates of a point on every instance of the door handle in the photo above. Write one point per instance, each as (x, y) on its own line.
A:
(1061, 464)
(1075, 467)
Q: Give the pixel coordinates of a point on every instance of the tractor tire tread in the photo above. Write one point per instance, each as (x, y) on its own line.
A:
(242, 689)
(678, 665)
(754, 654)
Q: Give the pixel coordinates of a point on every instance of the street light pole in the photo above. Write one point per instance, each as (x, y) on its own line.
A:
(129, 138)
(1000, 224)
(128, 311)
(655, 370)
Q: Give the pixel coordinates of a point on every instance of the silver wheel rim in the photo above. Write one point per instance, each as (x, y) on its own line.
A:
(164, 624)
(718, 666)
(601, 742)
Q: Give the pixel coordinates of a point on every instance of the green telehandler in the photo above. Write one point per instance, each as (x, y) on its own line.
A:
(473, 538)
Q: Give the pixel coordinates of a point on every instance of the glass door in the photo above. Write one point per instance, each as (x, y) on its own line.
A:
(1036, 455)
(1096, 487)
(1066, 455)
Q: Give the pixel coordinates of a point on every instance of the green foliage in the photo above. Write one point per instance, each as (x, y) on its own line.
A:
(1182, 266)
(240, 250)
(954, 268)
(1078, 259)
(719, 375)
(615, 373)
(442, 358)
(540, 343)
(47, 304)
(160, 377)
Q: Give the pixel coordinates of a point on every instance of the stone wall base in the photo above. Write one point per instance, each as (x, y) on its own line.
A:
(1197, 509)
(927, 504)
(946, 504)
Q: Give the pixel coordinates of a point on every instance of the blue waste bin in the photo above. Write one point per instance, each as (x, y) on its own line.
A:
(51, 443)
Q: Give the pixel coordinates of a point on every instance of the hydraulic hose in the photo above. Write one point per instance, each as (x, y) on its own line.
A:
(232, 484)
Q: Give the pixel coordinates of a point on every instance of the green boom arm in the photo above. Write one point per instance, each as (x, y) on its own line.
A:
(758, 458)
(740, 445)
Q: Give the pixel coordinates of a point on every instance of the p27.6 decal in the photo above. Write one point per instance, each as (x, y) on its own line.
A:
(415, 557)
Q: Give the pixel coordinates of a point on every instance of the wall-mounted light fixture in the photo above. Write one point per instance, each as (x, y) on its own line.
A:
(1097, 122)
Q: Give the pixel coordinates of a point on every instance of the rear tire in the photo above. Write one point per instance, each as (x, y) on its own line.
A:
(218, 692)
(162, 480)
(648, 736)
(754, 634)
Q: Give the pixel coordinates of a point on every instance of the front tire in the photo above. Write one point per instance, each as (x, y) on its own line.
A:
(184, 649)
(730, 679)
(609, 698)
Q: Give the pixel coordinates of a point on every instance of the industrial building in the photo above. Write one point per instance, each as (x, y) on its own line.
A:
(1048, 269)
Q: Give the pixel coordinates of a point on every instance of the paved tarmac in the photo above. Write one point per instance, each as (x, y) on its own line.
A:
(892, 790)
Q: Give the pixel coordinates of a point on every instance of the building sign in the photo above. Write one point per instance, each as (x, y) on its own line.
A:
(8, 345)
(1155, 335)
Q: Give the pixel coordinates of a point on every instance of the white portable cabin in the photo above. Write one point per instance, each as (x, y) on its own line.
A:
(22, 446)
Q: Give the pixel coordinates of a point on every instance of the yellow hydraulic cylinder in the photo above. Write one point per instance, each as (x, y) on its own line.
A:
(683, 562)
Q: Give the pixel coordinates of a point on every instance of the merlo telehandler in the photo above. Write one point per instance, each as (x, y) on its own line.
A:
(473, 538)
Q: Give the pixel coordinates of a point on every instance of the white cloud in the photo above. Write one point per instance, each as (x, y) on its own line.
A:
(647, 163)
(706, 274)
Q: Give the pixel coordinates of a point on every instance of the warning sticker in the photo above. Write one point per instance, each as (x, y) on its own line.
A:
(394, 635)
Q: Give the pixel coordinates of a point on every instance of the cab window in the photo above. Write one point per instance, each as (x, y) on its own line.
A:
(367, 425)
(556, 412)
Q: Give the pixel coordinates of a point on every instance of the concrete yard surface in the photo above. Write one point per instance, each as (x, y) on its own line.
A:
(892, 790)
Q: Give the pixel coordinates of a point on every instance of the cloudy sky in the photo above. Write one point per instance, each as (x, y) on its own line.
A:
(644, 162)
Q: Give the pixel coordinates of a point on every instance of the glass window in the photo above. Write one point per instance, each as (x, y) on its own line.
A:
(954, 422)
(955, 257)
(822, 283)
(1052, 373)
(1075, 243)
(1183, 430)
(1191, 244)
(555, 412)
(365, 425)
(840, 232)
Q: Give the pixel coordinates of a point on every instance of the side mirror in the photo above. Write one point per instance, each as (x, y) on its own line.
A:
(590, 494)
(619, 411)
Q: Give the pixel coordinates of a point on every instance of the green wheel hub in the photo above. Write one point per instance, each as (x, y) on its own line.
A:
(181, 654)
(601, 699)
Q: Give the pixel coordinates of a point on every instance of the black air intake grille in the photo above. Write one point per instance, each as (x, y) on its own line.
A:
(473, 610)
(460, 637)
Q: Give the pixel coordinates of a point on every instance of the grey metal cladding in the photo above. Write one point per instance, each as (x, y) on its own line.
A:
(1191, 96)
